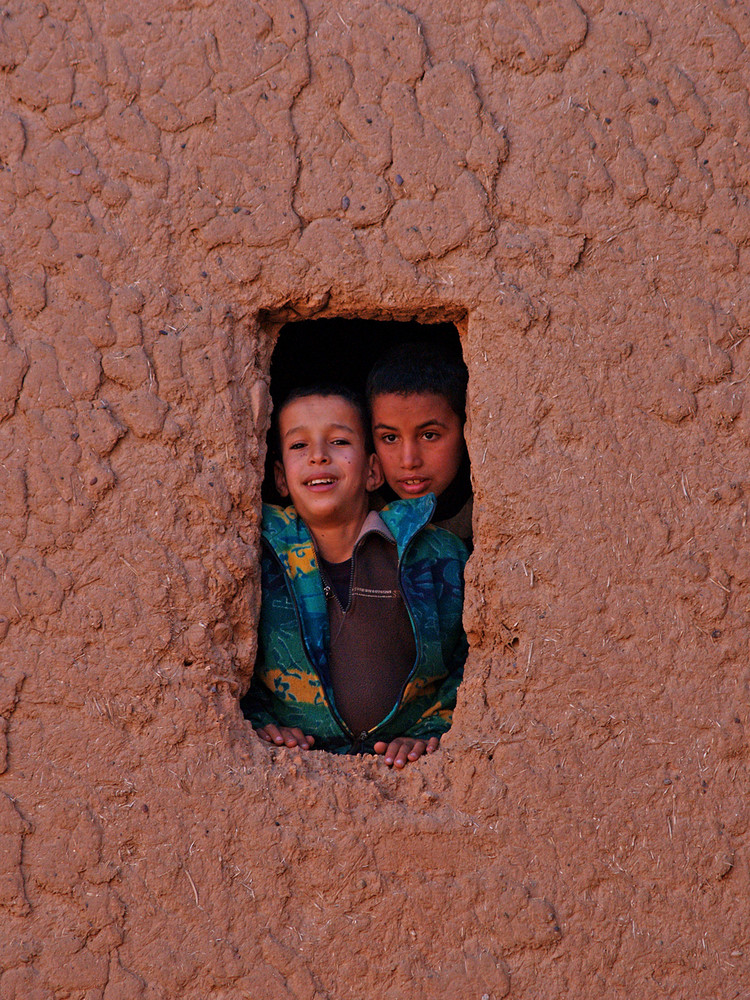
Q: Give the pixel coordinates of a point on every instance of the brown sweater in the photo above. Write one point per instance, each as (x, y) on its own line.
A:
(372, 648)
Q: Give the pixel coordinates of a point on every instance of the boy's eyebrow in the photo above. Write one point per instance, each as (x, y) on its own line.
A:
(303, 427)
(420, 427)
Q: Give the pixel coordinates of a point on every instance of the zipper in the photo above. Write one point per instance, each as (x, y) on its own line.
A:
(417, 636)
(328, 589)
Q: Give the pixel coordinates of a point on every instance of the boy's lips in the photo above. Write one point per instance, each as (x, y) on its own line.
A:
(320, 483)
(414, 484)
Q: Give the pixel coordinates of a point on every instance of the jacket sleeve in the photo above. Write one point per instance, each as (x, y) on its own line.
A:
(256, 705)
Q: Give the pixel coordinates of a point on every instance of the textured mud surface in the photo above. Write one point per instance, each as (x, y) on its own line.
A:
(567, 182)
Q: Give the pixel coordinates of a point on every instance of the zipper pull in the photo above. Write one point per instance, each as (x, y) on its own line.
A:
(355, 747)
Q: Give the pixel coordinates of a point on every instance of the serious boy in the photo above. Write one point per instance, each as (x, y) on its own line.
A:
(417, 399)
(361, 646)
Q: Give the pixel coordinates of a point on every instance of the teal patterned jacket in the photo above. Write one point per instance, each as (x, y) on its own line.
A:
(290, 684)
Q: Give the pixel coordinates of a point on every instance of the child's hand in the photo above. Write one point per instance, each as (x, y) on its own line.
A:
(284, 736)
(403, 749)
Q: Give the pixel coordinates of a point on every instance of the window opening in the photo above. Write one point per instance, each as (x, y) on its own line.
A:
(369, 650)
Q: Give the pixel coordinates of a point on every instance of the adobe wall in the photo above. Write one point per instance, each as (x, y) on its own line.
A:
(567, 182)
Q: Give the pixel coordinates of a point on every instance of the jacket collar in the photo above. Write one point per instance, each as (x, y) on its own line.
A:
(283, 529)
(374, 522)
(405, 518)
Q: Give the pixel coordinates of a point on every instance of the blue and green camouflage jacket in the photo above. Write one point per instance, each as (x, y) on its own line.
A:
(290, 684)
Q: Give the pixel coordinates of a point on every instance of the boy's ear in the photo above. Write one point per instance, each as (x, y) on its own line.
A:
(280, 478)
(375, 477)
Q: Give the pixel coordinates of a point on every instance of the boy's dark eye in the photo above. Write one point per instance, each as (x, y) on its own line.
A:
(388, 438)
(431, 435)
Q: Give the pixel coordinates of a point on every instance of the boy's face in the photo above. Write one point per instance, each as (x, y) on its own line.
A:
(324, 466)
(419, 441)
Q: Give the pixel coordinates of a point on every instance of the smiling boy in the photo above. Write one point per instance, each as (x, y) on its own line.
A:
(325, 470)
(361, 646)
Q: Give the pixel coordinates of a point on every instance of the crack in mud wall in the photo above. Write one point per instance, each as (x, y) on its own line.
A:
(569, 183)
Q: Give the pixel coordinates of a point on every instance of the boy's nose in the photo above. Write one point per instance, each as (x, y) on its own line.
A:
(410, 456)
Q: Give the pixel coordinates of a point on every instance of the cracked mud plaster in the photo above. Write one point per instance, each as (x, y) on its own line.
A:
(569, 183)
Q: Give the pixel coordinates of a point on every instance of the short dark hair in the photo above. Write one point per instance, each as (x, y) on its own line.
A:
(324, 389)
(420, 368)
